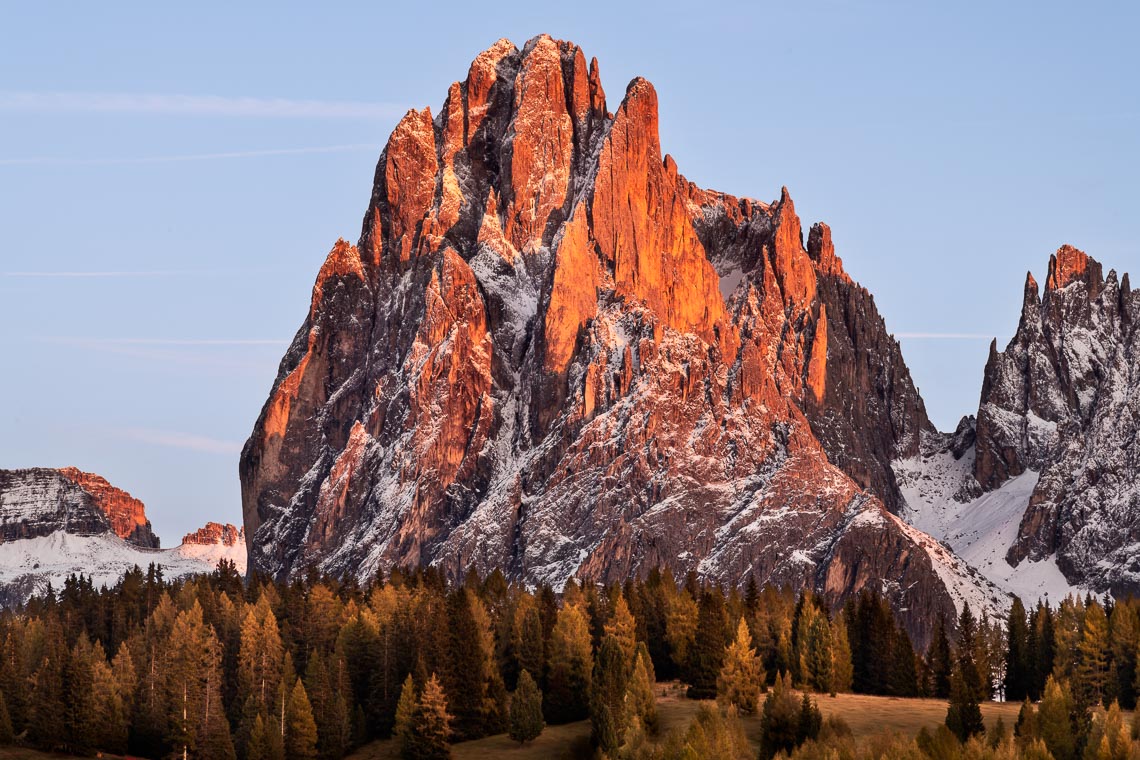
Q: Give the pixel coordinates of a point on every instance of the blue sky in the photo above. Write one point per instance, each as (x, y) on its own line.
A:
(171, 179)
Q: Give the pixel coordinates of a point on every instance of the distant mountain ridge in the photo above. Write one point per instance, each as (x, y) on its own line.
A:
(56, 523)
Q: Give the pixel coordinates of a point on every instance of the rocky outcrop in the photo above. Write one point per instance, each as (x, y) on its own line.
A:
(553, 354)
(39, 501)
(1061, 400)
(126, 514)
(215, 533)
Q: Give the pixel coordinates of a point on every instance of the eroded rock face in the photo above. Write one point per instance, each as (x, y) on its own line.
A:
(215, 533)
(126, 514)
(39, 501)
(553, 354)
(1061, 399)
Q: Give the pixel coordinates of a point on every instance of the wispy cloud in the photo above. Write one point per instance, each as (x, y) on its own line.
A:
(62, 161)
(223, 356)
(194, 105)
(116, 273)
(944, 336)
(180, 440)
(98, 342)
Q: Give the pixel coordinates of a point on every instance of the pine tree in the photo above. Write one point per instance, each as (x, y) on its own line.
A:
(1110, 738)
(526, 721)
(641, 700)
(623, 628)
(274, 741)
(430, 728)
(259, 656)
(708, 647)
(329, 710)
(779, 719)
(1043, 645)
(466, 676)
(46, 706)
(300, 727)
(569, 663)
(940, 661)
(841, 675)
(1027, 727)
(741, 675)
(531, 644)
(810, 720)
(1055, 720)
(818, 656)
(681, 613)
(607, 696)
(1124, 636)
(964, 715)
(405, 719)
(257, 747)
(79, 698)
(1018, 666)
(1093, 653)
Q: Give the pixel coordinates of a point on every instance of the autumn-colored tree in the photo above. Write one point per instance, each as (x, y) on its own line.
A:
(569, 668)
(300, 726)
(1055, 720)
(404, 725)
(1091, 672)
(260, 655)
(1110, 738)
(741, 675)
(841, 673)
(623, 628)
(640, 698)
(431, 724)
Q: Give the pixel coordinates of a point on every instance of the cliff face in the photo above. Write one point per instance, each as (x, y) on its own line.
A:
(39, 501)
(551, 353)
(1062, 400)
(126, 514)
(215, 533)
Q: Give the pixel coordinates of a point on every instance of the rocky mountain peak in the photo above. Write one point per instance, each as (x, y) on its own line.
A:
(1060, 401)
(1069, 265)
(558, 356)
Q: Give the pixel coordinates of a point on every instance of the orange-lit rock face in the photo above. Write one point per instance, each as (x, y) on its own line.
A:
(409, 174)
(573, 294)
(561, 357)
(215, 533)
(643, 228)
(542, 145)
(126, 514)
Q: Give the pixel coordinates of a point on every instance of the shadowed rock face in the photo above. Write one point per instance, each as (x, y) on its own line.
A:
(39, 501)
(551, 353)
(1061, 399)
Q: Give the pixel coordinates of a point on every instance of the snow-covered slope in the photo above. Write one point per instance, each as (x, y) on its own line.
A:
(942, 498)
(27, 565)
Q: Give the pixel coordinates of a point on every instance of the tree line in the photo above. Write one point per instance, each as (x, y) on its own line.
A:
(217, 666)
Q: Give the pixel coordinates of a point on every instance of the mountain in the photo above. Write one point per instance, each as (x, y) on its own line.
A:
(551, 353)
(1054, 459)
(39, 501)
(57, 523)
